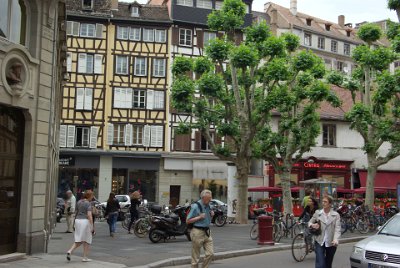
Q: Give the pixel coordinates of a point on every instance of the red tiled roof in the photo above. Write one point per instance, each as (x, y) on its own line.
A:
(328, 112)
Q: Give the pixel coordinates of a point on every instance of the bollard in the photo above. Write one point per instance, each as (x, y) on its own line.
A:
(265, 230)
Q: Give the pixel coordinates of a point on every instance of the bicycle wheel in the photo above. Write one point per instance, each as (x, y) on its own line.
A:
(362, 226)
(299, 248)
(343, 225)
(277, 232)
(140, 228)
(254, 232)
(126, 221)
(298, 228)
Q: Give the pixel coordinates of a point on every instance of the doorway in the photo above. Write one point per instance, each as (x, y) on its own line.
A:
(174, 195)
(310, 174)
(11, 149)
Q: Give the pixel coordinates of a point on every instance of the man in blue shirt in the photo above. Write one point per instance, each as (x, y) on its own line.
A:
(200, 216)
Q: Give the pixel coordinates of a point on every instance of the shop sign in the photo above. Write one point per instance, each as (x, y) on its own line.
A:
(66, 161)
(321, 165)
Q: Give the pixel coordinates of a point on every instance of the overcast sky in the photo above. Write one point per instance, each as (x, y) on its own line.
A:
(354, 10)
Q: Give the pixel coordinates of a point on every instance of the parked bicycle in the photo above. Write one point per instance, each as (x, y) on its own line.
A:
(286, 227)
(302, 245)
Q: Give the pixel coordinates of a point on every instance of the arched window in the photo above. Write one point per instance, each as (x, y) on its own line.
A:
(13, 19)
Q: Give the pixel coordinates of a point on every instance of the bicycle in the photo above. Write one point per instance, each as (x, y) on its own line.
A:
(254, 228)
(302, 245)
(283, 229)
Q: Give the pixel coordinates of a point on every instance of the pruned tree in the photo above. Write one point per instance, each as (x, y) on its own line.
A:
(395, 5)
(375, 113)
(295, 88)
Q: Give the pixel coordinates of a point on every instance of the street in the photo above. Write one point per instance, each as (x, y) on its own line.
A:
(282, 259)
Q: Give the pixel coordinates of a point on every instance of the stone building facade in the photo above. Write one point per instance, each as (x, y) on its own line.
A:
(32, 40)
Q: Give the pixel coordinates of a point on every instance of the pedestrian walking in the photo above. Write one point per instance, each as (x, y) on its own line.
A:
(84, 227)
(111, 214)
(328, 221)
(200, 216)
(134, 209)
(69, 210)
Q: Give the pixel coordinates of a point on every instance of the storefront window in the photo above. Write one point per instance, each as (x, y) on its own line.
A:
(338, 178)
(13, 18)
(78, 180)
(218, 188)
(144, 181)
(119, 183)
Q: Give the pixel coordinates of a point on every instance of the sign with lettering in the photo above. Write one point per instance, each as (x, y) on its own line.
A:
(321, 165)
(66, 161)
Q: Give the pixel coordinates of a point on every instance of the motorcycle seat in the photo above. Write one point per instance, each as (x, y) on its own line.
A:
(170, 220)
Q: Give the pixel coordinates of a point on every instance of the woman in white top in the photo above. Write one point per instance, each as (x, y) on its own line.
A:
(327, 241)
(84, 227)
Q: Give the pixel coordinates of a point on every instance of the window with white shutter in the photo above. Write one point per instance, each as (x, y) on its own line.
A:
(134, 34)
(159, 67)
(185, 37)
(94, 132)
(122, 33)
(159, 102)
(137, 135)
(150, 99)
(146, 136)
(99, 30)
(123, 98)
(161, 36)
(98, 64)
(128, 98)
(75, 28)
(148, 35)
(85, 63)
(139, 98)
(157, 136)
(128, 135)
(70, 136)
(69, 28)
(110, 134)
(84, 99)
(121, 64)
(69, 61)
(140, 66)
(82, 136)
(63, 135)
(88, 30)
(119, 134)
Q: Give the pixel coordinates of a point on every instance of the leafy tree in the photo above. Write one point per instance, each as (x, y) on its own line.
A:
(395, 5)
(294, 87)
(375, 113)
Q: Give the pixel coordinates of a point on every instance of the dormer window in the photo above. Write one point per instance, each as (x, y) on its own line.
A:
(308, 21)
(87, 4)
(135, 11)
(328, 26)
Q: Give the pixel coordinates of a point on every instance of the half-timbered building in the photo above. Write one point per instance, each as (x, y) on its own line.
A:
(114, 105)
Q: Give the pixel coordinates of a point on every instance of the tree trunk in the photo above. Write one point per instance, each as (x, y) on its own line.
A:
(286, 191)
(242, 203)
(398, 14)
(370, 185)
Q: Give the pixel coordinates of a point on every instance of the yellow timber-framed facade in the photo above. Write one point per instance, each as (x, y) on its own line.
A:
(114, 114)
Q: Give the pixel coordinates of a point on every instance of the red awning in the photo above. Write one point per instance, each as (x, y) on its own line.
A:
(382, 179)
(344, 190)
(264, 189)
(377, 190)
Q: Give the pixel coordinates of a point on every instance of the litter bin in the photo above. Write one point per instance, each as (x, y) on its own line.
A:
(265, 231)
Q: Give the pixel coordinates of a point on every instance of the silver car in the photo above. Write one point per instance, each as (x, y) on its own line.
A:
(381, 250)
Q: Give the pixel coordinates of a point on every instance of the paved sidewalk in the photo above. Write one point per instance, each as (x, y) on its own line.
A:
(129, 251)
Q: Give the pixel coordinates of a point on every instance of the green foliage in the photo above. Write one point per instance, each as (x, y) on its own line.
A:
(211, 85)
(277, 70)
(202, 65)
(304, 60)
(218, 50)
(182, 94)
(257, 33)
(182, 129)
(335, 78)
(393, 4)
(378, 59)
(393, 29)
(229, 18)
(292, 41)
(244, 56)
(274, 47)
(182, 65)
(369, 33)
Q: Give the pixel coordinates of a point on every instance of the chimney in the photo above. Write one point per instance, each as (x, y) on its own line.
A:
(293, 7)
(114, 4)
(341, 20)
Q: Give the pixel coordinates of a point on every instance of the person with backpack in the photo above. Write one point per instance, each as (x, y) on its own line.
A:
(199, 217)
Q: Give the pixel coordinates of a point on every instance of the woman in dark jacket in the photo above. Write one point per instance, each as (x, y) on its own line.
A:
(134, 209)
(111, 214)
(309, 210)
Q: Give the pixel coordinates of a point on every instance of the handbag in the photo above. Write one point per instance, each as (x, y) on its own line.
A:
(317, 231)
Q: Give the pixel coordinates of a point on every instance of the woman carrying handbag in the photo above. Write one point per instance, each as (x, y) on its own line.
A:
(326, 224)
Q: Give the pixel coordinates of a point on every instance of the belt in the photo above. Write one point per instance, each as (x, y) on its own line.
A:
(202, 228)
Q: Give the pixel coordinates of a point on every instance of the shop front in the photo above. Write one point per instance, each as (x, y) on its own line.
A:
(312, 168)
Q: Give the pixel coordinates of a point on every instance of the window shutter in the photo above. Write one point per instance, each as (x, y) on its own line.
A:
(69, 27)
(82, 63)
(146, 136)
(98, 63)
(79, 98)
(159, 100)
(156, 136)
(128, 135)
(200, 38)
(117, 94)
(128, 100)
(69, 61)
(88, 99)
(197, 141)
(175, 36)
(150, 99)
(110, 134)
(160, 136)
(182, 142)
(99, 30)
(75, 28)
(94, 131)
(71, 136)
(63, 135)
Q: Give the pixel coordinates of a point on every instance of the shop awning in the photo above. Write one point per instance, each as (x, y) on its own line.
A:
(377, 190)
(344, 190)
(382, 179)
(264, 189)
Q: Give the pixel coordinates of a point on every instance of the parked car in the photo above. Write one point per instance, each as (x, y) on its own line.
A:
(380, 250)
(124, 201)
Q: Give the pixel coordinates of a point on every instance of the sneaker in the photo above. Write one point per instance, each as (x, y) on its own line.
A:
(68, 256)
(86, 260)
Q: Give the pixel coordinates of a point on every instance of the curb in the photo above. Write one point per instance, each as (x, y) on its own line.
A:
(12, 257)
(235, 253)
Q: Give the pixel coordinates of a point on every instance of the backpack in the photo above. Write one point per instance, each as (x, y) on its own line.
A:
(190, 226)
